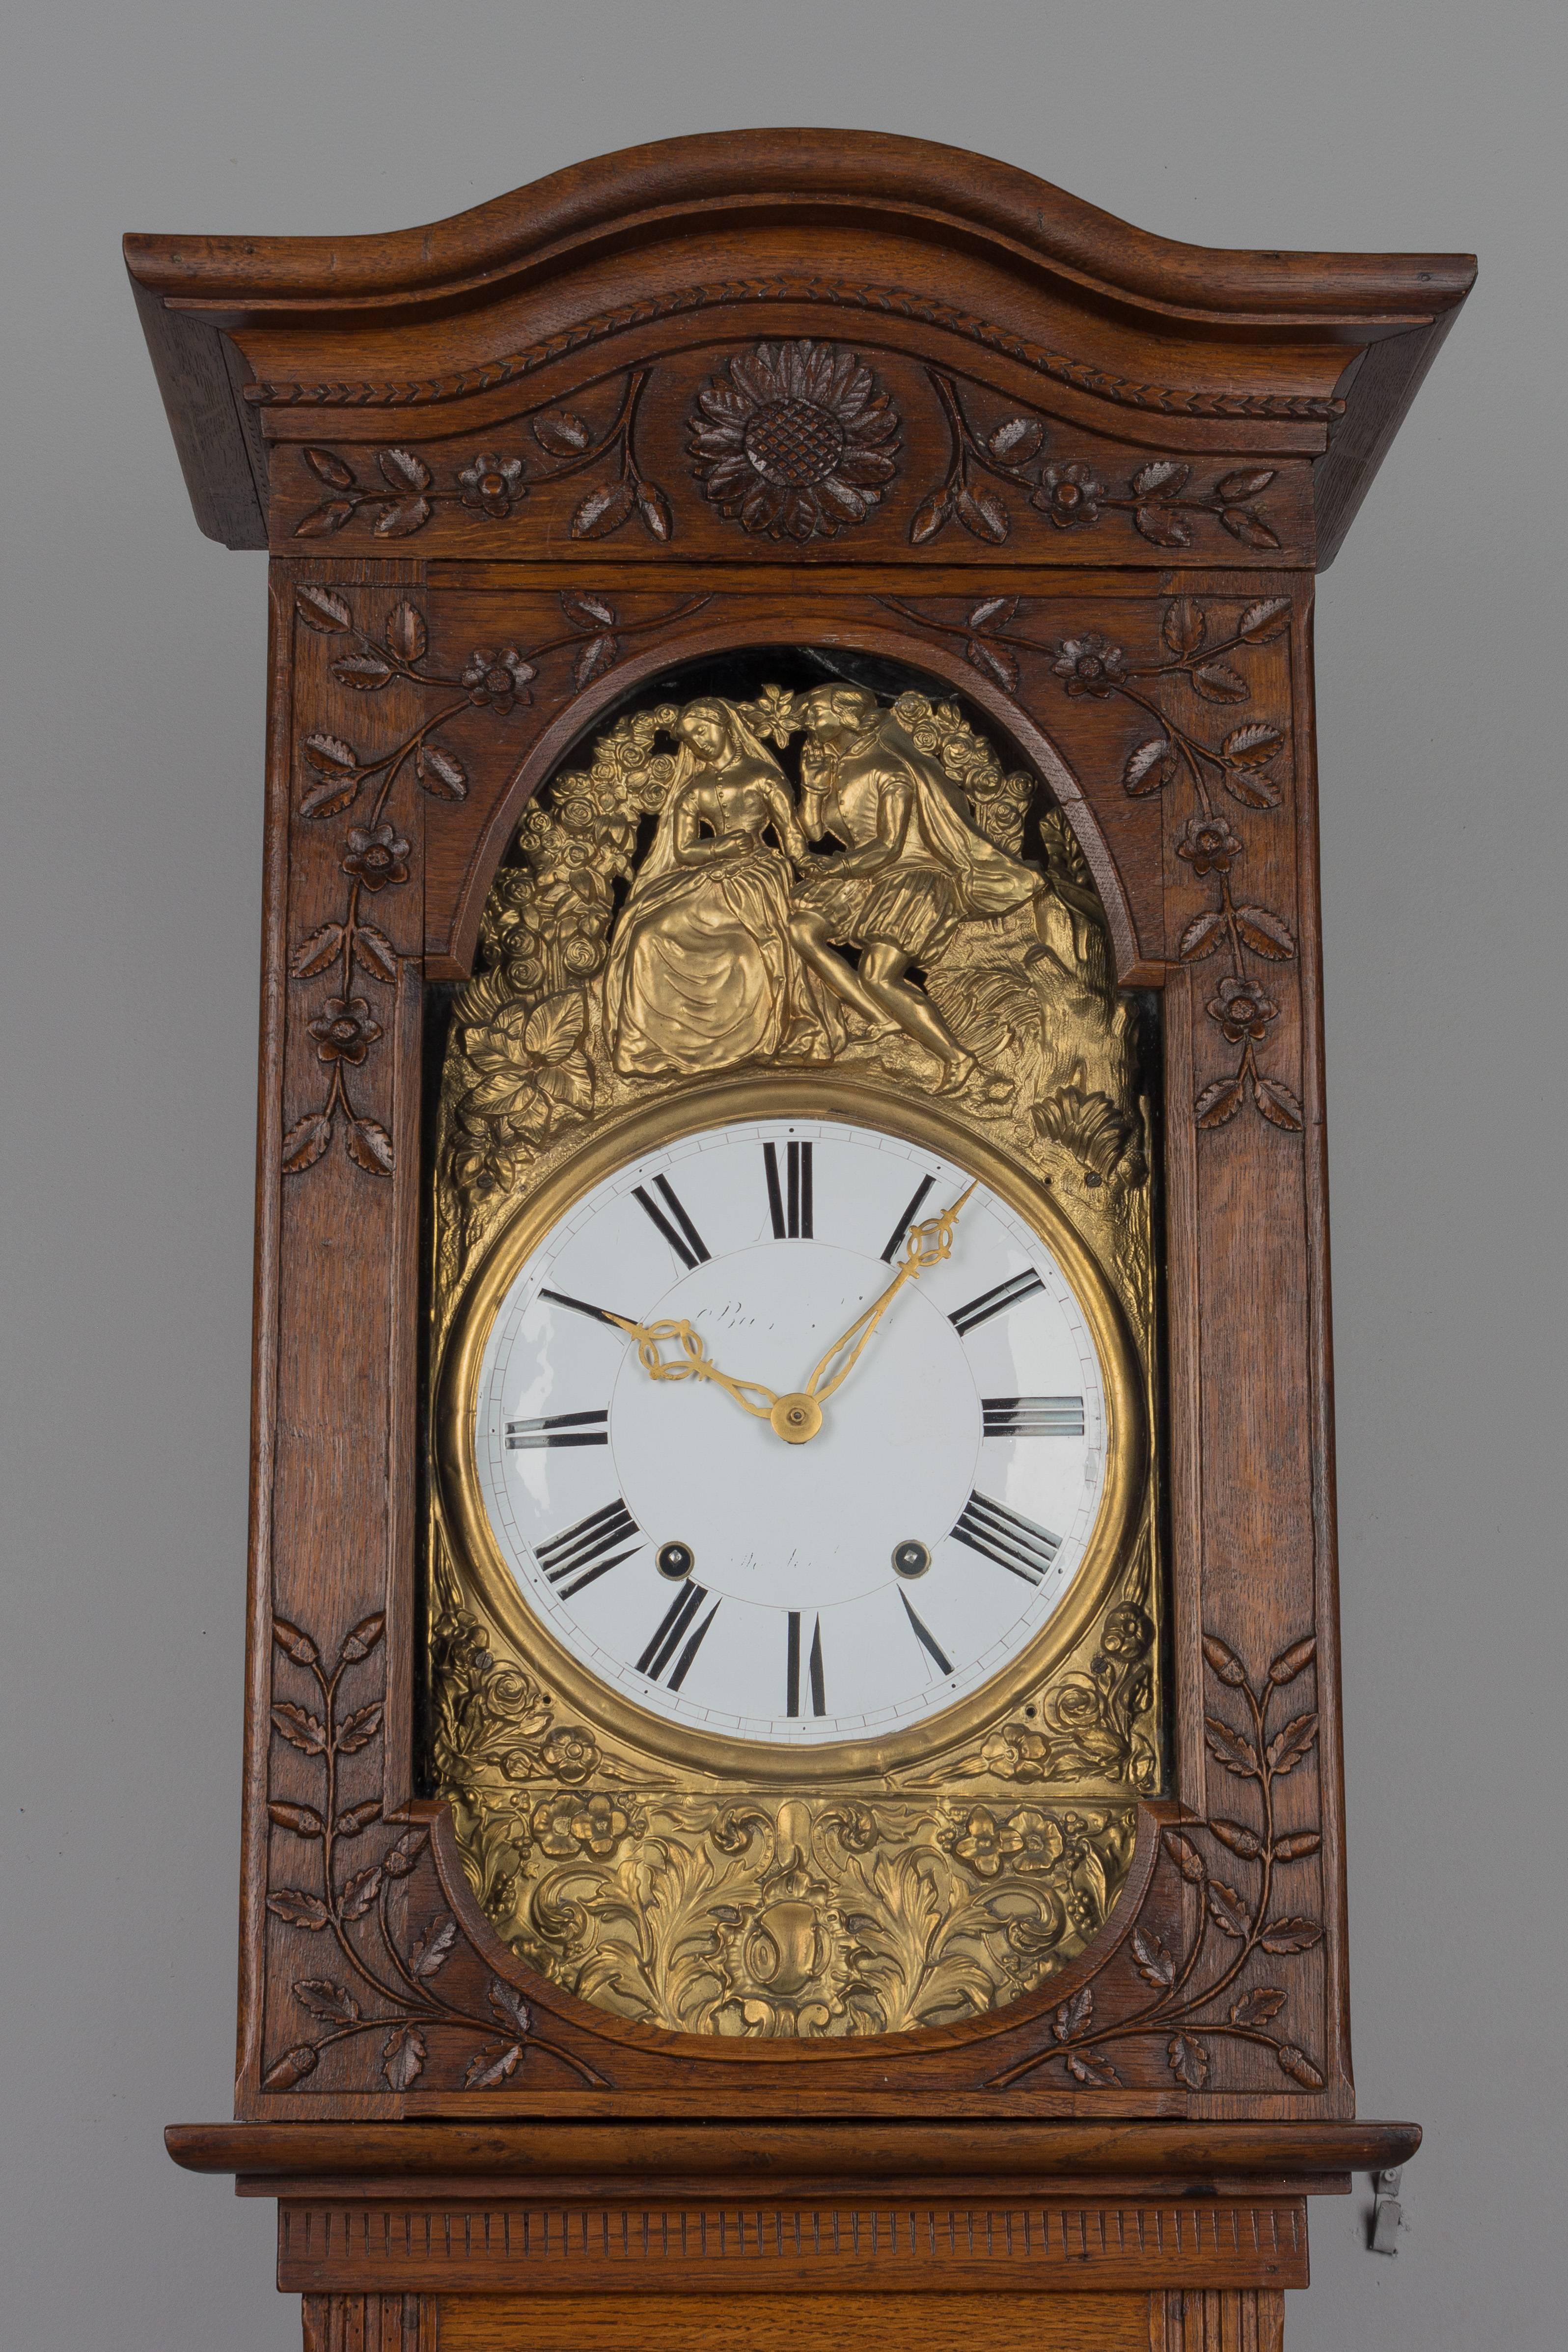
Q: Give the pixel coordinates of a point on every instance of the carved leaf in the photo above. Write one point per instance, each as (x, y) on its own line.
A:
(1017, 441)
(299, 1909)
(307, 1732)
(317, 950)
(291, 2068)
(1218, 682)
(1148, 767)
(374, 951)
(1202, 936)
(555, 1027)
(330, 756)
(487, 2069)
(1257, 2007)
(599, 655)
(329, 469)
(303, 1820)
(563, 433)
(1249, 746)
(321, 522)
(359, 1728)
(321, 608)
(406, 632)
(1294, 1933)
(366, 673)
(1298, 2066)
(992, 610)
(982, 513)
(1296, 1845)
(400, 1860)
(329, 800)
(1185, 625)
(1074, 2016)
(1239, 1838)
(586, 612)
(334, 2004)
(402, 519)
(1160, 474)
(1154, 1964)
(402, 2060)
(1264, 933)
(403, 470)
(358, 1818)
(442, 775)
(929, 518)
(653, 512)
(1218, 1101)
(1259, 622)
(1296, 1740)
(1188, 1859)
(604, 511)
(1244, 484)
(510, 2007)
(1293, 1661)
(1228, 1911)
(432, 1947)
(1162, 527)
(361, 1892)
(997, 660)
(298, 1646)
(1237, 1755)
(1254, 789)
(1188, 2061)
(1278, 1104)
(1248, 525)
(1092, 2066)
(369, 1147)
(362, 1639)
(1224, 1661)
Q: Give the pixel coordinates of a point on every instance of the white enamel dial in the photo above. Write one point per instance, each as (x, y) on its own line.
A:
(797, 1593)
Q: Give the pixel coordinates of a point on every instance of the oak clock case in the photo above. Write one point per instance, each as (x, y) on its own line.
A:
(792, 1622)
(791, 666)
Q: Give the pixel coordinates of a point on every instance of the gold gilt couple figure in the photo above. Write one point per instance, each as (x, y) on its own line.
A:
(727, 950)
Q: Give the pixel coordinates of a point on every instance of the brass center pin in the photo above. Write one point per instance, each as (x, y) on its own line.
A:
(796, 1417)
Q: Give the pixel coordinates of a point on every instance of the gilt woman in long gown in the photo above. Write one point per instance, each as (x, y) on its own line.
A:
(703, 973)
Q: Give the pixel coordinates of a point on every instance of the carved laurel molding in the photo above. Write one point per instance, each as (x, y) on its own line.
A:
(891, 301)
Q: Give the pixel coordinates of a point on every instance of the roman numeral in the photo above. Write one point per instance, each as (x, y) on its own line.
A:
(1007, 1538)
(581, 1307)
(666, 1645)
(579, 1553)
(813, 1668)
(1032, 1416)
(558, 1429)
(926, 1639)
(682, 1234)
(968, 1319)
(790, 1203)
(895, 1239)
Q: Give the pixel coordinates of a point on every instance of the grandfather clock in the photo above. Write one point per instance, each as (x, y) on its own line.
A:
(793, 1772)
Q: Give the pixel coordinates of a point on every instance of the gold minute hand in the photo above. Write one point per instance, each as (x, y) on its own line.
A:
(693, 1362)
(929, 1244)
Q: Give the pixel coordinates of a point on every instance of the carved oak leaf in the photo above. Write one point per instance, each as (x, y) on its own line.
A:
(1074, 2016)
(297, 1909)
(402, 2060)
(1154, 1964)
(1237, 1755)
(487, 2069)
(1294, 1934)
(509, 2006)
(1257, 2007)
(333, 2003)
(1286, 1751)
(1092, 2066)
(434, 1946)
(1228, 1911)
(307, 1732)
(1188, 2061)
(360, 1892)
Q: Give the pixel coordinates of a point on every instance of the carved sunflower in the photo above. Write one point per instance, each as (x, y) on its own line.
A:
(795, 440)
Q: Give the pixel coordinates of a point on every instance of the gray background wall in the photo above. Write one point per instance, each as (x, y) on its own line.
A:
(133, 735)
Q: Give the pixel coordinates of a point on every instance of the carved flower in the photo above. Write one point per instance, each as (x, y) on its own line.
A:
(494, 485)
(498, 679)
(796, 439)
(1070, 495)
(1015, 1754)
(1030, 1841)
(1090, 665)
(1127, 1633)
(343, 1029)
(1209, 845)
(377, 856)
(565, 1826)
(569, 1754)
(1242, 1010)
(978, 1843)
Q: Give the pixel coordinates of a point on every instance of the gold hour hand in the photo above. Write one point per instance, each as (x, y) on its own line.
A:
(929, 1242)
(691, 1362)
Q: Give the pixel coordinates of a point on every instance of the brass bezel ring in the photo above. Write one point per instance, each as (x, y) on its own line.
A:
(701, 1756)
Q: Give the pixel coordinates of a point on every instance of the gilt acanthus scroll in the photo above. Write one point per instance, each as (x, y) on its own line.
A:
(803, 880)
